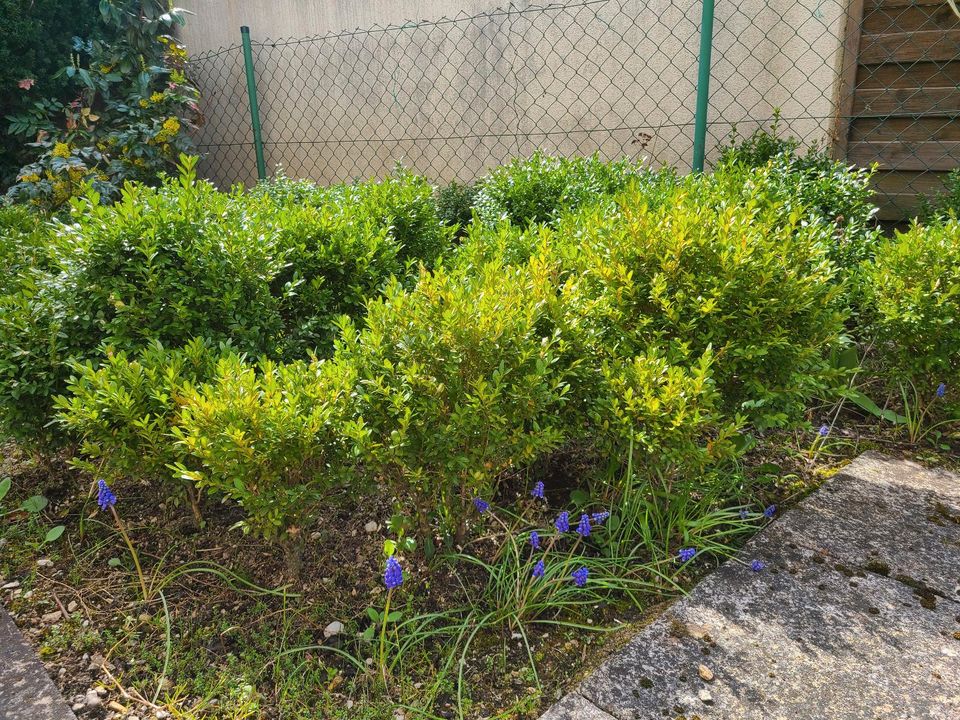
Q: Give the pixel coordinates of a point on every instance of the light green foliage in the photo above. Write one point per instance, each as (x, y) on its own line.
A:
(697, 273)
(812, 183)
(911, 306)
(123, 411)
(275, 439)
(460, 381)
(541, 188)
(267, 271)
(664, 413)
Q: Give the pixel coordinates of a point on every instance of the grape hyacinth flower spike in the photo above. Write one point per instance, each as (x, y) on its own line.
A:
(538, 569)
(686, 554)
(580, 576)
(756, 566)
(824, 430)
(105, 497)
(770, 511)
(941, 390)
(535, 540)
(599, 518)
(537, 491)
(584, 527)
(393, 576)
(563, 522)
(481, 505)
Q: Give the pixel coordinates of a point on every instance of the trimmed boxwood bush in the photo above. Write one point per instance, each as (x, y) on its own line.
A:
(460, 380)
(275, 439)
(267, 272)
(911, 307)
(541, 188)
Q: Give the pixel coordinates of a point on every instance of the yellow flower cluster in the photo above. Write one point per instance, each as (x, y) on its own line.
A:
(61, 150)
(156, 97)
(171, 126)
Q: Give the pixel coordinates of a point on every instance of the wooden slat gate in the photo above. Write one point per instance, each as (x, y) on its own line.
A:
(900, 98)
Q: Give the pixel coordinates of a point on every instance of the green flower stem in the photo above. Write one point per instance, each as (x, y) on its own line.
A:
(133, 553)
(383, 637)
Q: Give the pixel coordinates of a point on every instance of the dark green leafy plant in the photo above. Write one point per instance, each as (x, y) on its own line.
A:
(131, 113)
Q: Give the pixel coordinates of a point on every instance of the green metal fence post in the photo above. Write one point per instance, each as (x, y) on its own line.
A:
(703, 86)
(254, 107)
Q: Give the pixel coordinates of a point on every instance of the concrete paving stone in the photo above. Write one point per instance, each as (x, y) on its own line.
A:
(26, 691)
(825, 631)
(575, 707)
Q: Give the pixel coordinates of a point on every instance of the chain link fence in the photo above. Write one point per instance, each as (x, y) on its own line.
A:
(451, 98)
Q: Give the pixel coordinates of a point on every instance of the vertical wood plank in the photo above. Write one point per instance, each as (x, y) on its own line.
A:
(848, 78)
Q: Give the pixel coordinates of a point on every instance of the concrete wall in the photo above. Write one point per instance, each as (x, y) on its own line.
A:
(453, 98)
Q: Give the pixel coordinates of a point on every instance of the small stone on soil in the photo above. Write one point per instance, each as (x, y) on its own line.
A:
(705, 697)
(705, 673)
(334, 628)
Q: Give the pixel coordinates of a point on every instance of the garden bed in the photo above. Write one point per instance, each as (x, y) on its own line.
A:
(367, 451)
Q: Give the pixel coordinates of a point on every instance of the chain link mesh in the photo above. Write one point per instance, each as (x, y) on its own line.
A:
(454, 97)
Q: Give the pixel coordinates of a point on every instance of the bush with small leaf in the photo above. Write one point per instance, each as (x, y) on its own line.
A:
(275, 439)
(460, 381)
(124, 410)
(695, 273)
(541, 188)
(911, 306)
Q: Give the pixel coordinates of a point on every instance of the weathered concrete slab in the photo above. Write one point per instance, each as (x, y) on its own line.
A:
(26, 692)
(817, 635)
(576, 706)
(888, 516)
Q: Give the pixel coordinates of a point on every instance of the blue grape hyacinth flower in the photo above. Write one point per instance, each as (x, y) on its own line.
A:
(583, 528)
(686, 554)
(770, 511)
(393, 576)
(756, 566)
(481, 505)
(105, 497)
(824, 430)
(538, 569)
(563, 522)
(537, 491)
(599, 518)
(941, 390)
(535, 540)
(580, 576)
